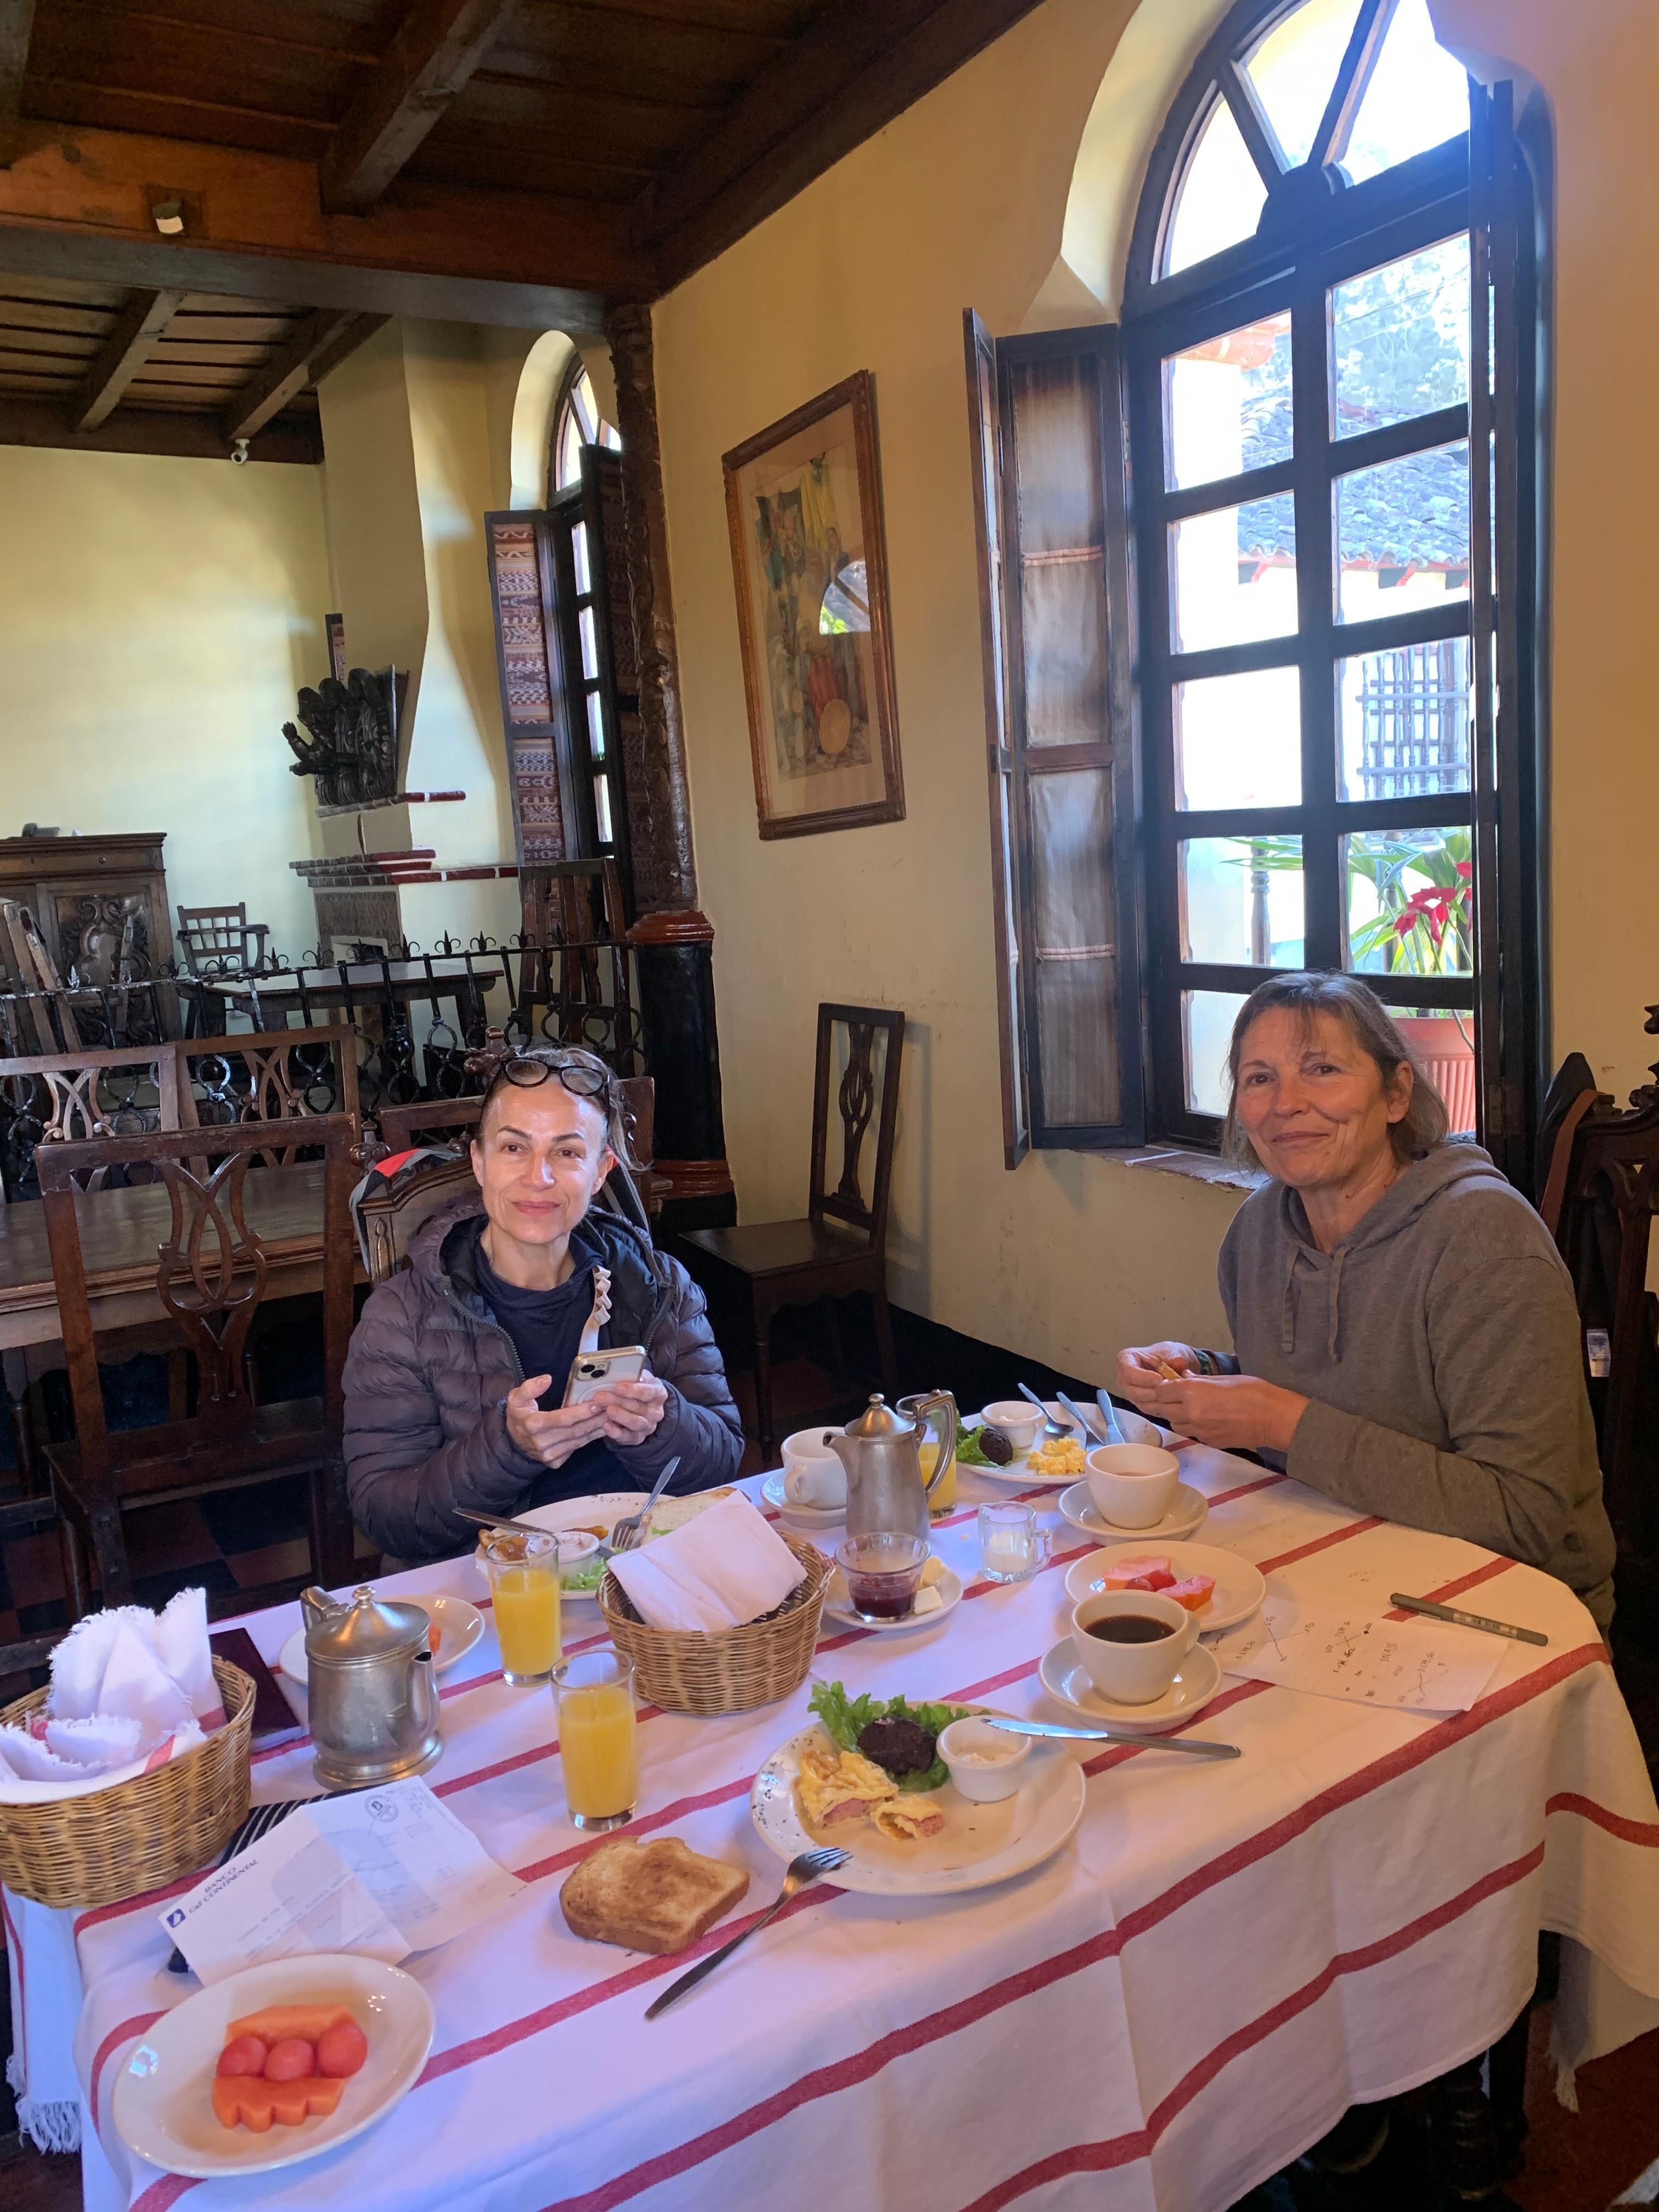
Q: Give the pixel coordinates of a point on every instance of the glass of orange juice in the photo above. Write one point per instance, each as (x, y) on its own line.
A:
(942, 1499)
(594, 1692)
(523, 1589)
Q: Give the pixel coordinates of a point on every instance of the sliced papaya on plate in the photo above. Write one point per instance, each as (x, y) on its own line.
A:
(277, 2023)
(256, 2104)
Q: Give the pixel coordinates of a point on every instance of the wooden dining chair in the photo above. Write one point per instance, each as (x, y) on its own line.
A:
(840, 1247)
(209, 1281)
(271, 1075)
(50, 1098)
(394, 1206)
(220, 940)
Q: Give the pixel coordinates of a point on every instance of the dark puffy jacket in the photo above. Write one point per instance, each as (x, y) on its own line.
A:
(429, 1369)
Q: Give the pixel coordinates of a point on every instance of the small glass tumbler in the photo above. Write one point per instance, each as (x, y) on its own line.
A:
(523, 1592)
(594, 1695)
(884, 1573)
(1011, 1547)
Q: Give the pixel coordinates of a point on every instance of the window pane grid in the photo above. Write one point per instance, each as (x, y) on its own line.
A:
(1325, 678)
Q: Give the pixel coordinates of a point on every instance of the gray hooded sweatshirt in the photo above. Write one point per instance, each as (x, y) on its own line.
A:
(1439, 1347)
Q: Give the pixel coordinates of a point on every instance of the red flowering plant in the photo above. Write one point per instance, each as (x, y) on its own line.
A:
(1425, 888)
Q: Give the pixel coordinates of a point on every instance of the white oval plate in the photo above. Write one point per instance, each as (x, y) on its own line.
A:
(602, 1511)
(163, 2107)
(839, 1606)
(981, 1844)
(1137, 1429)
(1187, 1510)
(809, 1516)
(1239, 1587)
(459, 1626)
(1064, 1677)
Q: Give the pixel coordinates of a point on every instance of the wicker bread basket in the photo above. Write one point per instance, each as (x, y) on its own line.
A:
(684, 1671)
(111, 1844)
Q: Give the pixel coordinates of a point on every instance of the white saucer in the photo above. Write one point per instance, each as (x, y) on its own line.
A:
(1063, 1677)
(1239, 1587)
(806, 1517)
(836, 1604)
(1187, 1509)
(460, 1625)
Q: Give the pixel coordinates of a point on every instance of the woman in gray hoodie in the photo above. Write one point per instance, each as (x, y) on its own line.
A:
(1404, 1331)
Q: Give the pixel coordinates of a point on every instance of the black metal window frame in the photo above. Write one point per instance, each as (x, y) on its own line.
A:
(1317, 232)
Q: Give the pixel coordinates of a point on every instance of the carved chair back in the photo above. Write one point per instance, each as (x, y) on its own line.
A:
(220, 940)
(854, 1101)
(394, 1206)
(274, 1075)
(59, 1098)
(1609, 1194)
(211, 1274)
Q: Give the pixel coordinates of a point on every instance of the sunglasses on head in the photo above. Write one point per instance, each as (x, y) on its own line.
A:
(583, 1078)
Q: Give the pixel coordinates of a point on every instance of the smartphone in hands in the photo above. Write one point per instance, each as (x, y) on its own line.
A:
(596, 1370)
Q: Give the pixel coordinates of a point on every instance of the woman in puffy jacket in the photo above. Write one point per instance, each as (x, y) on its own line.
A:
(455, 1359)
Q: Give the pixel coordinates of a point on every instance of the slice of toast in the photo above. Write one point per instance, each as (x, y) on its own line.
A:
(657, 1896)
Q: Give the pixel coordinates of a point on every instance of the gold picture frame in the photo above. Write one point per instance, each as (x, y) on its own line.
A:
(809, 561)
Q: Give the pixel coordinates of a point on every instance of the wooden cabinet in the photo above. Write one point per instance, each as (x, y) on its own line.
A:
(100, 903)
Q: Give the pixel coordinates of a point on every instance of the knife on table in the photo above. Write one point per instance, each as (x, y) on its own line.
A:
(1195, 1747)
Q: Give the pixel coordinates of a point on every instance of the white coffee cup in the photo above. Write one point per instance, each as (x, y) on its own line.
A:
(812, 1475)
(1132, 1485)
(1017, 1419)
(1133, 1674)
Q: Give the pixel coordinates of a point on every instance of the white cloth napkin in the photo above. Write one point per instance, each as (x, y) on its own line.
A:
(727, 1567)
(130, 1689)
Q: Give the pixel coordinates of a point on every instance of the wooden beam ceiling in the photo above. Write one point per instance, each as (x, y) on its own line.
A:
(130, 342)
(295, 365)
(182, 431)
(856, 67)
(16, 24)
(436, 49)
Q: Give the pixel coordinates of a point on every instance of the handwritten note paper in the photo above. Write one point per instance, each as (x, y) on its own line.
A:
(1336, 1651)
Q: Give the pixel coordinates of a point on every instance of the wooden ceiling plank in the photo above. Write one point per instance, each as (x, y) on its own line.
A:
(131, 339)
(319, 344)
(40, 420)
(173, 115)
(73, 351)
(857, 65)
(16, 23)
(44, 315)
(436, 50)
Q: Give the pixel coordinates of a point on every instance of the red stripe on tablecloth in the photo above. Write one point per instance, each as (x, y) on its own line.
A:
(1139, 2142)
(162, 2193)
(1455, 1589)
(1322, 1543)
(1244, 1489)
(127, 2032)
(1643, 1832)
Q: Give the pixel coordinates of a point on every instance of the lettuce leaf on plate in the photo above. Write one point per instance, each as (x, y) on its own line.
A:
(844, 1718)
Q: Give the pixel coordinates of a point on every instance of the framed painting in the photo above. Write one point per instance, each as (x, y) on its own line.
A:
(808, 556)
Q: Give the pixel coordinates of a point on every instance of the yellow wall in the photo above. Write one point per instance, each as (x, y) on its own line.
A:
(968, 200)
(156, 617)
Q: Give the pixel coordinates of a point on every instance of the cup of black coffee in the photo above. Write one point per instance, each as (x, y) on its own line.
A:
(1131, 1643)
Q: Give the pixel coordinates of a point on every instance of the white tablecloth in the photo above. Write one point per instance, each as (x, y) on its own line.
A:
(1224, 1959)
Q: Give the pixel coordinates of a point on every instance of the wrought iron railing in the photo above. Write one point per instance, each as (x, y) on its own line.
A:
(416, 1015)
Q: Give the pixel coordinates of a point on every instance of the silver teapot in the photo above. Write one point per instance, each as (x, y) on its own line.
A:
(881, 1453)
(371, 1690)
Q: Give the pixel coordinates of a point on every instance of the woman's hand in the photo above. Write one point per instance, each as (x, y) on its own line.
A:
(1136, 1368)
(633, 1411)
(1233, 1412)
(550, 1438)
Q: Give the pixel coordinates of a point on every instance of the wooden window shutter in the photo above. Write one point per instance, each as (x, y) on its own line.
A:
(566, 655)
(520, 552)
(1050, 502)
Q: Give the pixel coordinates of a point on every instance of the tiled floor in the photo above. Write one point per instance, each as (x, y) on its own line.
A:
(1575, 2162)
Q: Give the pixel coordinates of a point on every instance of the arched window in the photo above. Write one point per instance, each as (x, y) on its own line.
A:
(1311, 281)
(577, 423)
(1319, 422)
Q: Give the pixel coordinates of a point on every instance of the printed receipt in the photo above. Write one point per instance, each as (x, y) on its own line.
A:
(383, 1871)
(1341, 1652)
